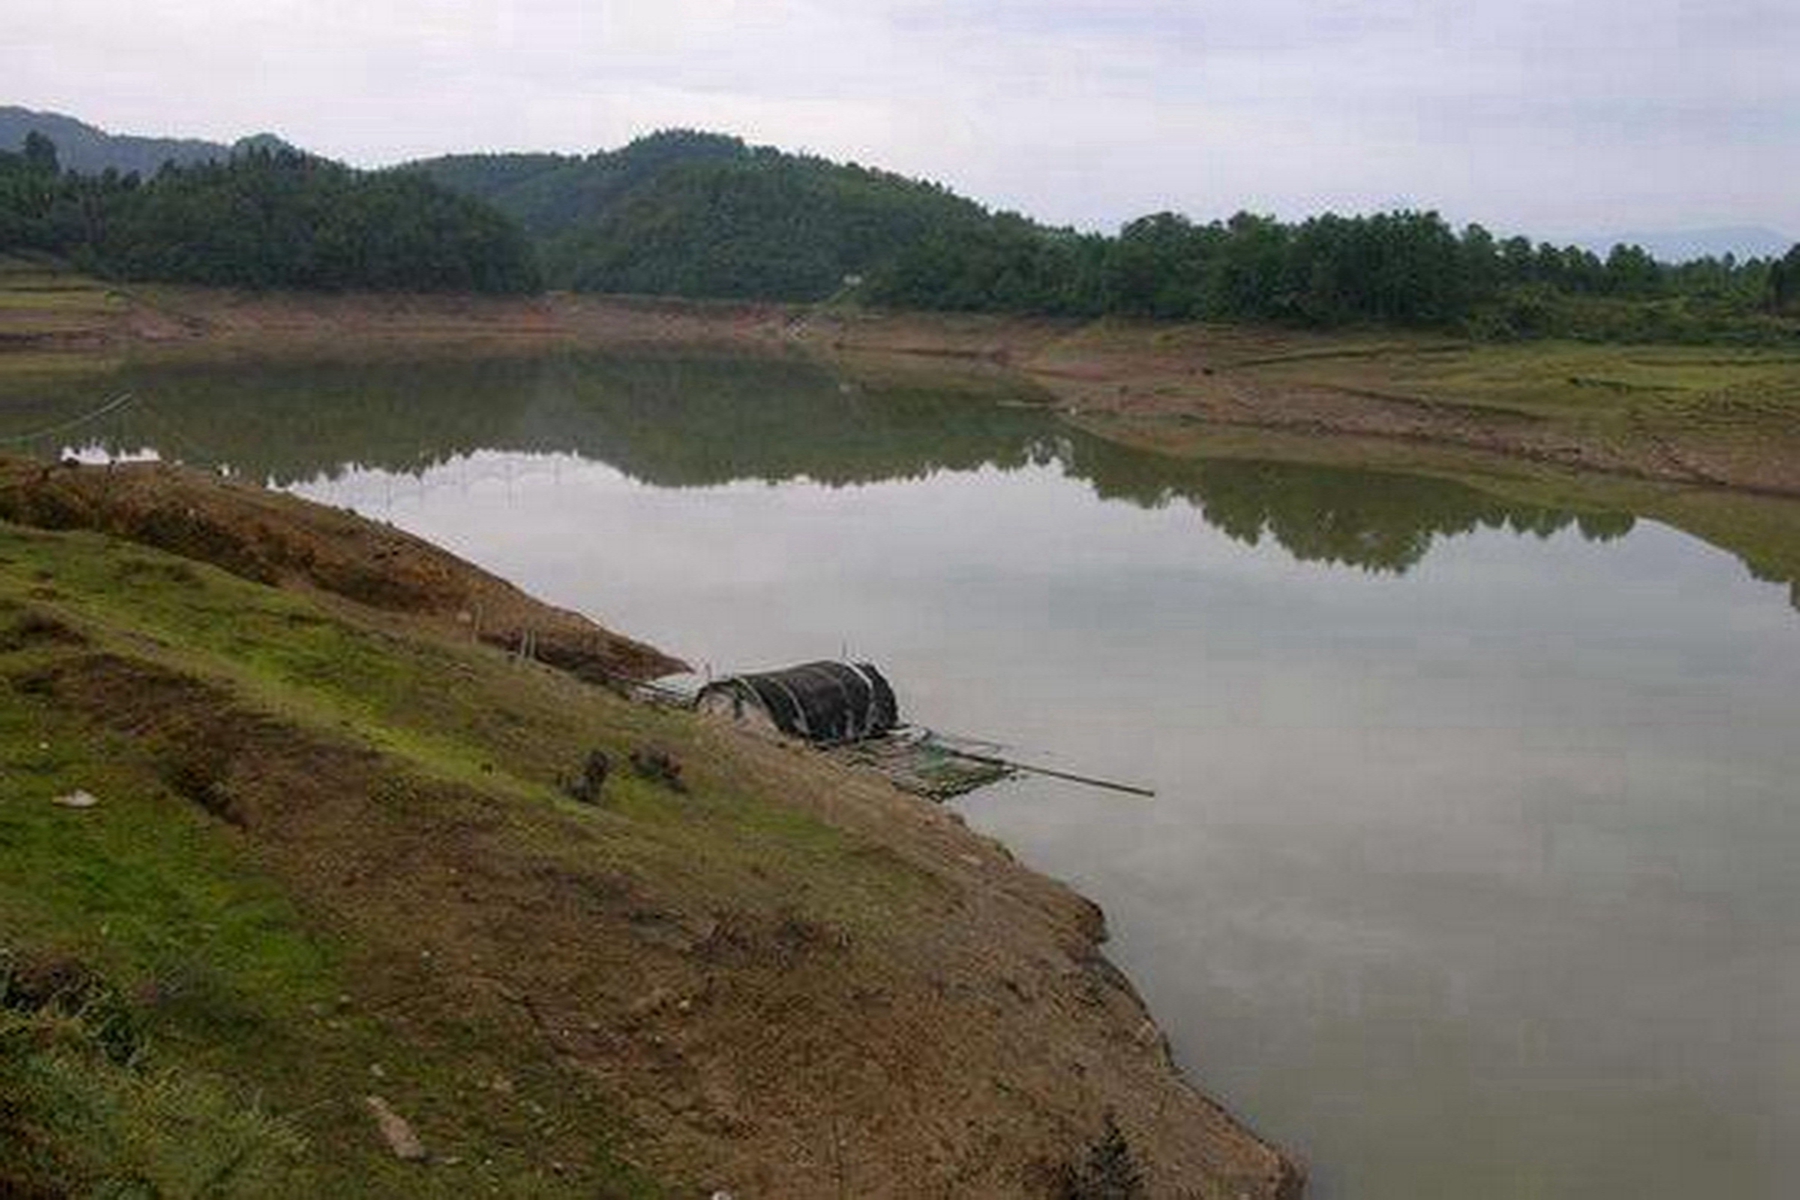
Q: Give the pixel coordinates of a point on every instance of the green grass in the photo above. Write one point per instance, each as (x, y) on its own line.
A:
(81, 1119)
(57, 293)
(262, 1011)
(171, 906)
(1566, 380)
(452, 712)
(146, 893)
(40, 303)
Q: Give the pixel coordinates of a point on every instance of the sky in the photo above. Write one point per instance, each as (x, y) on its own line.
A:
(1556, 118)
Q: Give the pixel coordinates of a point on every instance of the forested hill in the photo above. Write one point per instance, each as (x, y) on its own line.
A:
(697, 214)
(88, 150)
(706, 215)
(549, 194)
(263, 219)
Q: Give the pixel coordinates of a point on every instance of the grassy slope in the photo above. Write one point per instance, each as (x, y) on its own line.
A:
(331, 859)
(171, 905)
(234, 978)
(1682, 414)
(39, 300)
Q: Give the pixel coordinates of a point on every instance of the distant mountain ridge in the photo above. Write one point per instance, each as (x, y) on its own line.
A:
(259, 214)
(90, 150)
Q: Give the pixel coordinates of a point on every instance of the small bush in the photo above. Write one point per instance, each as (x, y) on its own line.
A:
(1109, 1172)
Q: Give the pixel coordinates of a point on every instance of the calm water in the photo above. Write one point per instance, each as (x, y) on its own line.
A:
(1471, 872)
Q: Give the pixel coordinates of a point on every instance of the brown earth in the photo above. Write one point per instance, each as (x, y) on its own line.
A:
(278, 539)
(172, 317)
(790, 980)
(1143, 382)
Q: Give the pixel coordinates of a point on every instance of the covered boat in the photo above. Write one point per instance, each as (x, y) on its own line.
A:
(826, 703)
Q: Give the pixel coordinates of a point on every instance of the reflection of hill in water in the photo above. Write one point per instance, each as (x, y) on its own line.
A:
(1324, 514)
(699, 422)
(664, 421)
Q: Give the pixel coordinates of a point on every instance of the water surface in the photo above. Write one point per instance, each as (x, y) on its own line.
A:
(1469, 872)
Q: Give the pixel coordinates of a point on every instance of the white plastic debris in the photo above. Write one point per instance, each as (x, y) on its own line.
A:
(77, 799)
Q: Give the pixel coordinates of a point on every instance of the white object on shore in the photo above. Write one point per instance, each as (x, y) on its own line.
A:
(78, 799)
(395, 1130)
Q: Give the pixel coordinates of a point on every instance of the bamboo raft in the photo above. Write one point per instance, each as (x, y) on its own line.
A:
(942, 767)
(847, 713)
(918, 761)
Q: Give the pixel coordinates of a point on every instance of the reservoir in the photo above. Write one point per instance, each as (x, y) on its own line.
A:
(1470, 871)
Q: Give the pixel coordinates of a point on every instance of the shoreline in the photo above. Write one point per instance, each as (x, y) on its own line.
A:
(725, 1008)
(1704, 438)
(1643, 426)
(1696, 416)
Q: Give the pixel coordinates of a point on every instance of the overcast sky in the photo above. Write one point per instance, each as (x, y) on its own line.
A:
(1555, 118)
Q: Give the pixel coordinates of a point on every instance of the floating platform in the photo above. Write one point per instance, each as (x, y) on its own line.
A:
(920, 762)
(847, 712)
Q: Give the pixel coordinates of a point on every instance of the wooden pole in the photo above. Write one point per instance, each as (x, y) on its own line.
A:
(1070, 776)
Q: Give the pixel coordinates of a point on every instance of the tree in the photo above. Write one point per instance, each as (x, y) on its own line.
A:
(40, 154)
(1630, 271)
(1783, 286)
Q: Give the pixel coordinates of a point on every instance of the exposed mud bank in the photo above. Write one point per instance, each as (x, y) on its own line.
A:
(1714, 417)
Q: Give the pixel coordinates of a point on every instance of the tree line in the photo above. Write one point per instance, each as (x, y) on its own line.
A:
(265, 218)
(704, 215)
(697, 214)
(1398, 268)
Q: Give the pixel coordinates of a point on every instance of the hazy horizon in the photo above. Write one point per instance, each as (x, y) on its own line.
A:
(1567, 121)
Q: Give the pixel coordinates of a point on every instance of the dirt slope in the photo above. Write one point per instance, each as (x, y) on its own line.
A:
(785, 980)
(277, 539)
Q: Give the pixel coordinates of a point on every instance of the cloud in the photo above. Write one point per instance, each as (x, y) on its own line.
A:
(1554, 117)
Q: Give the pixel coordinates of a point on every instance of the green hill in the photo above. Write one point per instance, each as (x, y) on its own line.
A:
(263, 219)
(551, 194)
(697, 214)
(687, 213)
